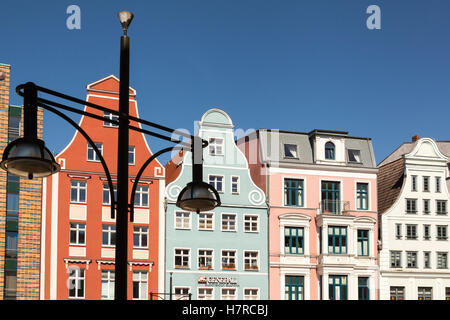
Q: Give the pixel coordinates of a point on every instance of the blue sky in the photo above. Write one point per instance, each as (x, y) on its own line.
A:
(291, 65)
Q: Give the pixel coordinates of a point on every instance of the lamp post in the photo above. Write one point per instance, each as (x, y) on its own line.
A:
(28, 157)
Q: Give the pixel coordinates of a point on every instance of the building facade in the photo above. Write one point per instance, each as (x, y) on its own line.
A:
(220, 254)
(20, 210)
(413, 186)
(321, 191)
(78, 231)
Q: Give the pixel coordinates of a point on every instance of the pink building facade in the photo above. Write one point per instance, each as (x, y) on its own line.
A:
(321, 191)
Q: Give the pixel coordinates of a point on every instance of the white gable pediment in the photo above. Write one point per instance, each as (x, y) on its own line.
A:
(426, 148)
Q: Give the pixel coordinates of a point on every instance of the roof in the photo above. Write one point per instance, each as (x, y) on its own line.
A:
(389, 184)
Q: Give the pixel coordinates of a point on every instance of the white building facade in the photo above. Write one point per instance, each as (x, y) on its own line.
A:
(414, 221)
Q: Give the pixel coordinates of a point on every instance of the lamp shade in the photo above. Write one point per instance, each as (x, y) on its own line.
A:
(125, 18)
(198, 196)
(29, 158)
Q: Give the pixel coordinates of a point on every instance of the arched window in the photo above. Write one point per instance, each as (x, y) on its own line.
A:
(329, 151)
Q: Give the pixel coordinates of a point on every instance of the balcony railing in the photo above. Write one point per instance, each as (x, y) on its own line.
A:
(336, 207)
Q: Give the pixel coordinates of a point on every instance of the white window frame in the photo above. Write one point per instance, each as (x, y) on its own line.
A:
(199, 219)
(235, 258)
(75, 277)
(214, 145)
(140, 193)
(235, 222)
(203, 296)
(228, 297)
(250, 297)
(186, 216)
(109, 231)
(237, 183)
(105, 188)
(91, 150)
(110, 116)
(142, 283)
(77, 229)
(211, 256)
(183, 256)
(133, 152)
(108, 281)
(140, 232)
(215, 182)
(251, 259)
(252, 222)
(78, 187)
(181, 296)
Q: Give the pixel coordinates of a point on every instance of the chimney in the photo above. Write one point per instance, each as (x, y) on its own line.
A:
(415, 138)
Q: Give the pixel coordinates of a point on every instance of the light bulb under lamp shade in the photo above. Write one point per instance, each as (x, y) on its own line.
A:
(29, 159)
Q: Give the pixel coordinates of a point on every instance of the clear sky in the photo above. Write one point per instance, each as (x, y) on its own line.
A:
(291, 65)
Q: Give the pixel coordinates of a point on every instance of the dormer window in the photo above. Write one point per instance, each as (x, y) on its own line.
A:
(290, 151)
(215, 146)
(354, 156)
(330, 151)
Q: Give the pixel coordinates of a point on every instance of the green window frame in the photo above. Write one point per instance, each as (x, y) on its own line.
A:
(293, 192)
(363, 288)
(363, 242)
(337, 240)
(362, 196)
(294, 240)
(330, 153)
(337, 287)
(294, 288)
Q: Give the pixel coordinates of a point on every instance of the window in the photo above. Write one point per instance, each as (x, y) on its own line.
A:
(110, 116)
(294, 288)
(10, 286)
(205, 221)
(228, 222)
(141, 196)
(411, 259)
(293, 192)
(426, 184)
(205, 294)
(354, 156)
(441, 232)
(228, 259)
(91, 155)
(442, 260)
(293, 240)
(131, 155)
(215, 146)
(229, 294)
(140, 285)
(426, 260)
(398, 231)
(447, 293)
(290, 151)
(182, 258)
(182, 293)
(426, 232)
(251, 223)
(106, 194)
(426, 206)
(78, 233)
(411, 205)
(363, 288)
(438, 184)
(216, 182)
(337, 240)
(11, 245)
(182, 220)
(362, 196)
(363, 242)
(76, 282)
(413, 183)
(425, 293)
(140, 237)
(397, 293)
(396, 259)
(235, 185)
(251, 260)
(330, 197)
(441, 206)
(411, 231)
(251, 294)
(78, 191)
(108, 235)
(107, 284)
(205, 259)
(329, 151)
(337, 287)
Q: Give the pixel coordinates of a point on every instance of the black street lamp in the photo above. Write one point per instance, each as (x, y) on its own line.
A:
(28, 157)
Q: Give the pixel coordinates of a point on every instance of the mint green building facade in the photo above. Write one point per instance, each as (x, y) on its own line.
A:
(222, 254)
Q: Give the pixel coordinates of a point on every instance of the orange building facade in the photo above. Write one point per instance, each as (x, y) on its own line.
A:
(78, 232)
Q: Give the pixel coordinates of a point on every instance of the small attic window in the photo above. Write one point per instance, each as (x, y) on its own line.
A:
(354, 155)
(290, 151)
(329, 151)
